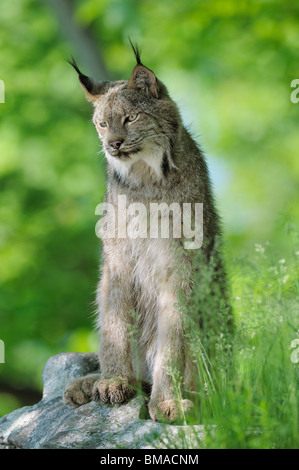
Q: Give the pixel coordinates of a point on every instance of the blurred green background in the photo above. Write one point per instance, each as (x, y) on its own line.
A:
(227, 64)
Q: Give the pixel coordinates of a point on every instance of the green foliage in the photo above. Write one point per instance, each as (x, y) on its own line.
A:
(229, 66)
(248, 394)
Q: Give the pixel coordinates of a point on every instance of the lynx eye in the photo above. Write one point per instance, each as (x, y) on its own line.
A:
(103, 124)
(132, 117)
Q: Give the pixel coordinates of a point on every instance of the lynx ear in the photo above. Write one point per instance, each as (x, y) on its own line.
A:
(92, 88)
(143, 78)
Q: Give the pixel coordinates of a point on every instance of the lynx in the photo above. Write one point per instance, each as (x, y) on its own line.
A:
(151, 157)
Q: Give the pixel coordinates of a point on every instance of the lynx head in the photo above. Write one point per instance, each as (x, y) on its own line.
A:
(136, 120)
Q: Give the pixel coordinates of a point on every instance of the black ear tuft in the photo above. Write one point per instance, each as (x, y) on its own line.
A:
(137, 52)
(86, 81)
(73, 63)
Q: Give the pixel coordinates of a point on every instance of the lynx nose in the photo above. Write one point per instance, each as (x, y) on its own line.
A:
(116, 144)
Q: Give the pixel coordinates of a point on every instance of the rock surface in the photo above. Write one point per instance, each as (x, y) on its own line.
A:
(51, 425)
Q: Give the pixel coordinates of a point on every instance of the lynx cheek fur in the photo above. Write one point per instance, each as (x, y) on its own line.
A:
(151, 157)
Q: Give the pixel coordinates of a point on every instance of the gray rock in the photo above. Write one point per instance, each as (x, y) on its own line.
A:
(51, 425)
(62, 368)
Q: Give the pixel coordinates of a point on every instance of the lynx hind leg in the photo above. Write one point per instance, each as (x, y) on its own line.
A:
(79, 391)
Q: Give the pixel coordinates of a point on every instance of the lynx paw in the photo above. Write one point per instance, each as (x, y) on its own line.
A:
(79, 391)
(116, 390)
(169, 410)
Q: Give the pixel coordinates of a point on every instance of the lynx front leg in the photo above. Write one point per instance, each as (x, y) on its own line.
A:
(166, 403)
(117, 378)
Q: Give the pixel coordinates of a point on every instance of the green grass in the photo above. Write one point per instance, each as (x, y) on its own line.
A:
(249, 398)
